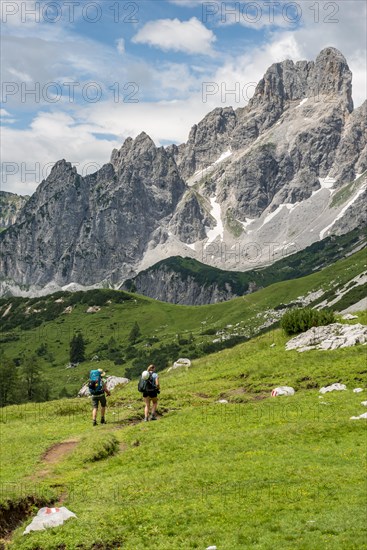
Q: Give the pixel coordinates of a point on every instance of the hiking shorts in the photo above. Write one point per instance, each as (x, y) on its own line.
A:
(152, 394)
(96, 399)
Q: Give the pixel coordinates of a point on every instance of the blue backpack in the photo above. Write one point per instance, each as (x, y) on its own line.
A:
(95, 383)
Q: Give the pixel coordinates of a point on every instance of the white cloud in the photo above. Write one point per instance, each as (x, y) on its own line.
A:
(50, 137)
(120, 45)
(20, 75)
(172, 34)
(5, 117)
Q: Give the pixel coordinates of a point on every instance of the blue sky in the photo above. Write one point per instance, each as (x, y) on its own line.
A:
(79, 77)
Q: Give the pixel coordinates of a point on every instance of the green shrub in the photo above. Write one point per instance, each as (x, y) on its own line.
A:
(210, 331)
(299, 320)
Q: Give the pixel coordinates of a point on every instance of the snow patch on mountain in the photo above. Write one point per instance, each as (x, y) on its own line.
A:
(218, 230)
(224, 156)
(302, 102)
(199, 174)
(327, 182)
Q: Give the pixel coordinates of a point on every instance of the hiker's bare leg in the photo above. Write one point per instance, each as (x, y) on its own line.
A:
(155, 405)
(94, 414)
(147, 403)
(103, 410)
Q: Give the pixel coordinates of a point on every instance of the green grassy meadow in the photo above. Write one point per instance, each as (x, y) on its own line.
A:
(256, 472)
(162, 321)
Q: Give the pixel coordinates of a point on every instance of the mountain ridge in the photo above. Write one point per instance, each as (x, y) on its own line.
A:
(263, 175)
(186, 281)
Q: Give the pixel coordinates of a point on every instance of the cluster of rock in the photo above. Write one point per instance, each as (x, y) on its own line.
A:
(329, 337)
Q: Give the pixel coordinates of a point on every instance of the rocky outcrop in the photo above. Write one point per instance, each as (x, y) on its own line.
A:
(10, 205)
(334, 336)
(207, 140)
(191, 218)
(170, 286)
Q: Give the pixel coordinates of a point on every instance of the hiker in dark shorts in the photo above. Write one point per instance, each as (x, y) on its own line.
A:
(151, 395)
(100, 398)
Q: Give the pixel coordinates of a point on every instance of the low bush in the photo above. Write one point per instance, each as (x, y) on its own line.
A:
(299, 320)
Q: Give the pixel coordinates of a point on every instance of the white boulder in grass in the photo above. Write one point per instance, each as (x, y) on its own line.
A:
(333, 387)
(282, 390)
(111, 383)
(364, 403)
(357, 390)
(364, 415)
(93, 309)
(182, 362)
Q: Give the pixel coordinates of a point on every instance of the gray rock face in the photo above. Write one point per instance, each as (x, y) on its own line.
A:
(10, 205)
(170, 286)
(206, 141)
(190, 219)
(287, 169)
(351, 154)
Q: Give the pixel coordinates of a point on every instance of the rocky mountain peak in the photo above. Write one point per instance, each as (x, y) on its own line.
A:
(287, 80)
(132, 149)
(62, 174)
(333, 76)
(61, 166)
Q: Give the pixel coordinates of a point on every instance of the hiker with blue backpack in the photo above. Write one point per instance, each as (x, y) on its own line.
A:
(98, 391)
(149, 386)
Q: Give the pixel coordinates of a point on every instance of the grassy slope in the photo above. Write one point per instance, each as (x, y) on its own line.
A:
(161, 319)
(254, 473)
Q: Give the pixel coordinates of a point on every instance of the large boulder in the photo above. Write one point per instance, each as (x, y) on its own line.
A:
(182, 362)
(282, 390)
(111, 383)
(333, 387)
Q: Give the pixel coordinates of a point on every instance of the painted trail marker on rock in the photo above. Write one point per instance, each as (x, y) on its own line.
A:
(49, 517)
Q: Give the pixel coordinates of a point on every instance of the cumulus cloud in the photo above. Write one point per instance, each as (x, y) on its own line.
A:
(50, 137)
(191, 36)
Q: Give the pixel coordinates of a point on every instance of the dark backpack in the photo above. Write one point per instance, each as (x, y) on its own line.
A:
(146, 386)
(95, 383)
